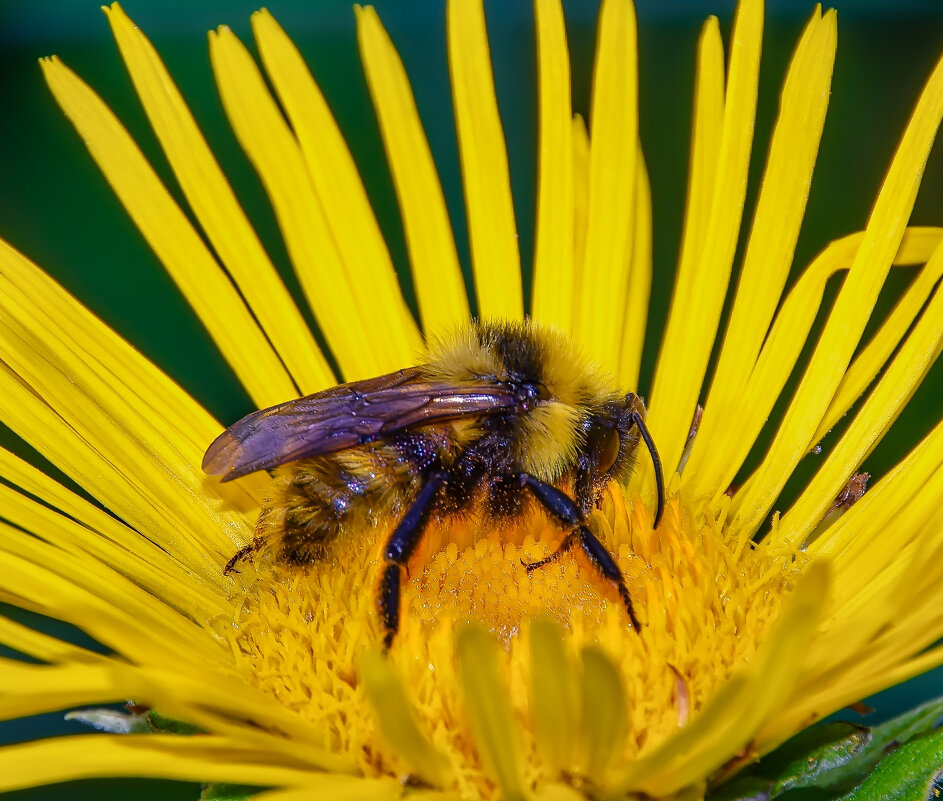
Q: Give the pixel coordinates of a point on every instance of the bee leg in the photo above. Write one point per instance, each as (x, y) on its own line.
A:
(400, 546)
(568, 542)
(606, 564)
(560, 506)
(238, 556)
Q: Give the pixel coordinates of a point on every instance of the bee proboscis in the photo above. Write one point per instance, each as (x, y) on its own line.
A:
(499, 417)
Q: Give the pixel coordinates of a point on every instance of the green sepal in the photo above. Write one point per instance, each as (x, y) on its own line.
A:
(228, 792)
(804, 761)
(164, 725)
(834, 760)
(913, 772)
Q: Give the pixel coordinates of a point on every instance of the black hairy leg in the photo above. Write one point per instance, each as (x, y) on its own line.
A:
(400, 546)
(566, 512)
(243, 553)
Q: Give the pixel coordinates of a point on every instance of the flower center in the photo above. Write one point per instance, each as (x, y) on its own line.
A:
(703, 604)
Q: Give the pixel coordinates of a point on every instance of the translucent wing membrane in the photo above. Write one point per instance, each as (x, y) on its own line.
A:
(346, 416)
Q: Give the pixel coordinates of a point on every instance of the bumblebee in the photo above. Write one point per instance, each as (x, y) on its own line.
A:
(500, 418)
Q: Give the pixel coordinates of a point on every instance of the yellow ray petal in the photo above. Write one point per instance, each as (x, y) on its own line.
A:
(872, 422)
(357, 337)
(613, 152)
(106, 538)
(772, 676)
(225, 705)
(870, 528)
(554, 696)
(580, 138)
(41, 646)
(101, 423)
(177, 245)
(734, 436)
(850, 314)
(708, 720)
(339, 189)
(885, 340)
(492, 232)
(705, 145)
(217, 209)
(43, 688)
(639, 269)
(128, 620)
(488, 710)
(605, 711)
(437, 275)
(140, 561)
(772, 242)
(703, 275)
(198, 758)
(553, 247)
(397, 719)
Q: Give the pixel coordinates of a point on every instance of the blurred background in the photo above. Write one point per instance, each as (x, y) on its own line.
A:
(57, 209)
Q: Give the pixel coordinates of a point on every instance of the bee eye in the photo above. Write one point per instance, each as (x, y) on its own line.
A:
(603, 445)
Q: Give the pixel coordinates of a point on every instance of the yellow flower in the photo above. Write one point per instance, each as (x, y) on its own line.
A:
(750, 629)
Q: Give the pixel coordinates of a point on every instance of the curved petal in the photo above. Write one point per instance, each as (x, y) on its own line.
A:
(169, 233)
(217, 209)
(485, 176)
(437, 275)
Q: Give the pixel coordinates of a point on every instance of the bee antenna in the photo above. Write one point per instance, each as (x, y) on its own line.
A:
(636, 418)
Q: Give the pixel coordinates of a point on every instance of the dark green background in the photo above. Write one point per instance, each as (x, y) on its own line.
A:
(57, 209)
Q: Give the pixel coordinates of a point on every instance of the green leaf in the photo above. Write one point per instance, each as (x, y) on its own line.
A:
(914, 772)
(228, 792)
(887, 735)
(828, 760)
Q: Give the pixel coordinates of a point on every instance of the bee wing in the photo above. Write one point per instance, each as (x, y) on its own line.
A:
(345, 416)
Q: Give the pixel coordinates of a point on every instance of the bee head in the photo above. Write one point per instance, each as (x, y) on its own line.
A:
(611, 440)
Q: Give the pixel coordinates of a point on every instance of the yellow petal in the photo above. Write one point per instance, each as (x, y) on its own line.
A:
(850, 314)
(639, 269)
(173, 239)
(602, 283)
(124, 617)
(40, 646)
(101, 420)
(141, 561)
(198, 758)
(43, 688)
(605, 711)
(339, 189)
(734, 436)
(358, 338)
(397, 719)
(703, 274)
(488, 710)
(886, 338)
(553, 247)
(772, 241)
(554, 696)
(217, 209)
(580, 138)
(877, 415)
(437, 275)
(492, 231)
(772, 677)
